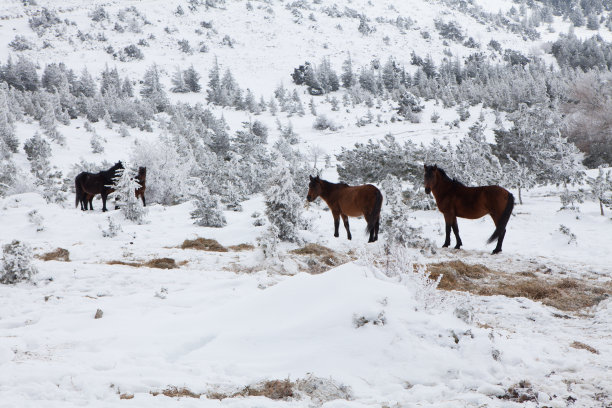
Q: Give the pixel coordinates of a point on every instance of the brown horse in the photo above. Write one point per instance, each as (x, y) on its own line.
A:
(349, 201)
(140, 191)
(142, 181)
(457, 200)
(87, 185)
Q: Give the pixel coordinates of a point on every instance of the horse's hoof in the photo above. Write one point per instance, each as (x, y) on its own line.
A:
(336, 235)
(457, 246)
(496, 251)
(445, 245)
(349, 238)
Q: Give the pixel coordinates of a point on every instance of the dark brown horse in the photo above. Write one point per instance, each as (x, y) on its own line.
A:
(87, 185)
(142, 181)
(140, 191)
(349, 201)
(457, 200)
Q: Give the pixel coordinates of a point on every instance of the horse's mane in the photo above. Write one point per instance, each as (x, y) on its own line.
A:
(329, 183)
(447, 178)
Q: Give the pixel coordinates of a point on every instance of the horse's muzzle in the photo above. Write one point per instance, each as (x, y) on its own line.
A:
(427, 190)
(309, 198)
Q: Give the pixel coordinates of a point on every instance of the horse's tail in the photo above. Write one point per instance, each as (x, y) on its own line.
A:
(503, 221)
(375, 213)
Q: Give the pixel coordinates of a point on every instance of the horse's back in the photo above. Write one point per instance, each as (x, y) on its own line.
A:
(476, 202)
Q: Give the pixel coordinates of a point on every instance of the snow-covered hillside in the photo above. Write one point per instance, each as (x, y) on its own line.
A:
(124, 312)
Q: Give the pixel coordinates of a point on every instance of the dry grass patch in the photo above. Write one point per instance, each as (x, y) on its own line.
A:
(126, 396)
(564, 294)
(582, 346)
(58, 254)
(159, 263)
(175, 392)
(319, 258)
(241, 247)
(203, 244)
(273, 389)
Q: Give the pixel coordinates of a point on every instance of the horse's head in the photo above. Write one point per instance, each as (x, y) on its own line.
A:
(431, 177)
(314, 188)
(117, 165)
(142, 173)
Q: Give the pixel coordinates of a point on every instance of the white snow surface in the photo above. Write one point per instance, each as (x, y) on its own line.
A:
(222, 321)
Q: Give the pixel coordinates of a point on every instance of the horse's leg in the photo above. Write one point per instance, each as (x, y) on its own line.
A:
(144, 203)
(336, 224)
(104, 201)
(376, 227)
(90, 199)
(346, 225)
(456, 232)
(448, 219)
(500, 240)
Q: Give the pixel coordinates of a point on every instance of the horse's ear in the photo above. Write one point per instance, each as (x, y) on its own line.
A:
(317, 178)
(435, 167)
(311, 179)
(425, 166)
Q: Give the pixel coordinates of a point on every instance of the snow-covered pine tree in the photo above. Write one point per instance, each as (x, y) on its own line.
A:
(192, 79)
(153, 90)
(395, 220)
(38, 152)
(48, 123)
(348, 76)
(601, 188)
(475, 163)
(7, 128)
(178, 82)
(207, 211)
(516, 175)
(16, 263)
(96, 143)
(283, 205)
(125, 186)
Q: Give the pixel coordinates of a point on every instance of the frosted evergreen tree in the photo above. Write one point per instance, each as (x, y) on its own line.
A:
(272, 106)
(207, 211)
(269, 242)
(601, 188)
(516, 175)
(108, 122)
(178, 82)
(348, 76)
(153, 90)
(85, 85)
(125, 186)
(563, 161)
(395, 222)
(38, 152)
(16, 263)
(96, 143)
(192, 79)
(213, 93)
(7, 128)
(48, 123)
(283, 205)
(475, 163)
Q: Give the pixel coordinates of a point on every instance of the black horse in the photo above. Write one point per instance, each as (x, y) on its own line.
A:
(87, 185)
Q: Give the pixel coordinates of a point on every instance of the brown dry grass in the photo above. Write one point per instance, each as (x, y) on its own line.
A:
(564, 294)
(582, 346)
(203, 244)
(176, 392)
(241, 247)
(159, 263)
(58, 254)
(126, 396)
(320, 258)
(273, 389)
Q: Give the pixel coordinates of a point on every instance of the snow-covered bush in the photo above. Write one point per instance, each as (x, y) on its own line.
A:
(601, 187)
(283, 205)
(207, 211)
(20, 43)
(16, 263)
(112, 230)
(322, 123)
(125, 186)
(37, 220)
(395, 219)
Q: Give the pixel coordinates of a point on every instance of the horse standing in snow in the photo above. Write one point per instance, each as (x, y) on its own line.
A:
(141, 178)
(87, 185)
(457, 200)
(349, 201)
